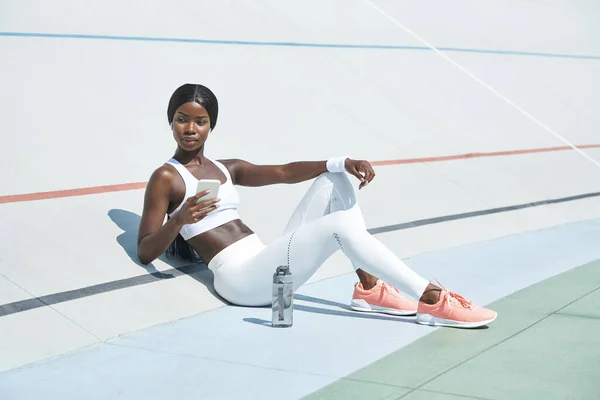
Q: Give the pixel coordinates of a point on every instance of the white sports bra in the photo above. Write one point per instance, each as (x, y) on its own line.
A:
(228, 205)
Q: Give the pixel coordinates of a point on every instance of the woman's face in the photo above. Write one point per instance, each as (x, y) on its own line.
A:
(191, 125)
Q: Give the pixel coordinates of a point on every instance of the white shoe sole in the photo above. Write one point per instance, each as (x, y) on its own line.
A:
(363, 306)
(428, 319)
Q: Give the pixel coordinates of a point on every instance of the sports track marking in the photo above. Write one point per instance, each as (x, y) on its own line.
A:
(18, 198)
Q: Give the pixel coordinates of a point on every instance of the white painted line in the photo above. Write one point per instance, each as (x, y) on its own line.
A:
(484, 84)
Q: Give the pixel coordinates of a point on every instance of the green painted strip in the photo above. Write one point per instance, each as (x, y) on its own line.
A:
(549, 319)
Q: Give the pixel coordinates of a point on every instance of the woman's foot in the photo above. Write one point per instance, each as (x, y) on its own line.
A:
(382, 298)
(451, 309)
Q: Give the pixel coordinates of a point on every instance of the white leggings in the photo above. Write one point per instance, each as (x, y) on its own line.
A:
(327, 219)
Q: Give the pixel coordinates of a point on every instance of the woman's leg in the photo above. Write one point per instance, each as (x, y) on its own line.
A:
(307, 245)
(329, 193)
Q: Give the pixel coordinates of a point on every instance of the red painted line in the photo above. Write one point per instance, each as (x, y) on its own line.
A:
(481, 155)
(141, 185)
(71, 192)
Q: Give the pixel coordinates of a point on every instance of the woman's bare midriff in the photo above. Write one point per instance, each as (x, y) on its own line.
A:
(209, 244)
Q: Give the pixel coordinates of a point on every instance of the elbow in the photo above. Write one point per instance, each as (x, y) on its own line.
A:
(144, 261)
(144, 252)
(143, 258)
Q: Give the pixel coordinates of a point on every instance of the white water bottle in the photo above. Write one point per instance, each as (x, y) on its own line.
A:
(283, 298)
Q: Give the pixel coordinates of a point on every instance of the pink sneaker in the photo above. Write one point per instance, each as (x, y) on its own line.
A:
(454, 310)
(382, 298)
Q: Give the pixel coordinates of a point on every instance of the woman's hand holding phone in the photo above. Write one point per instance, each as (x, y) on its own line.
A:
(192, 212)
(197, 207)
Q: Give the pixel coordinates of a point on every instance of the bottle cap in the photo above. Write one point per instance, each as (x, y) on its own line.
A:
(282, 270)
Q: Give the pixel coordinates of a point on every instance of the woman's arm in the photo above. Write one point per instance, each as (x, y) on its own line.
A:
(244, 173)
(154, 238)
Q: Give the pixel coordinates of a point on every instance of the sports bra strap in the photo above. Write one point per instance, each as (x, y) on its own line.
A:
(224, 169)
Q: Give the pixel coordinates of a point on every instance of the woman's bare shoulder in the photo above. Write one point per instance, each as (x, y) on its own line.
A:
(163, 177)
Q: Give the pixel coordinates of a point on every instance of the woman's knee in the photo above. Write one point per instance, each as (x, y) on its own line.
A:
(342, 189)
(336, 179)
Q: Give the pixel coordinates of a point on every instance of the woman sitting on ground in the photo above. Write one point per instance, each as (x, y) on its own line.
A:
(327, 219)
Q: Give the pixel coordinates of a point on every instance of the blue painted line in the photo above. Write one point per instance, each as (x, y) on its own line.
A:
(291, 44)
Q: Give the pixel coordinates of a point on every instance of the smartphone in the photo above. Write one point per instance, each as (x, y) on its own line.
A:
(212, 184)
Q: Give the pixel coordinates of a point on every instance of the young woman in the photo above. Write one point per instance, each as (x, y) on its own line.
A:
(327, 219)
